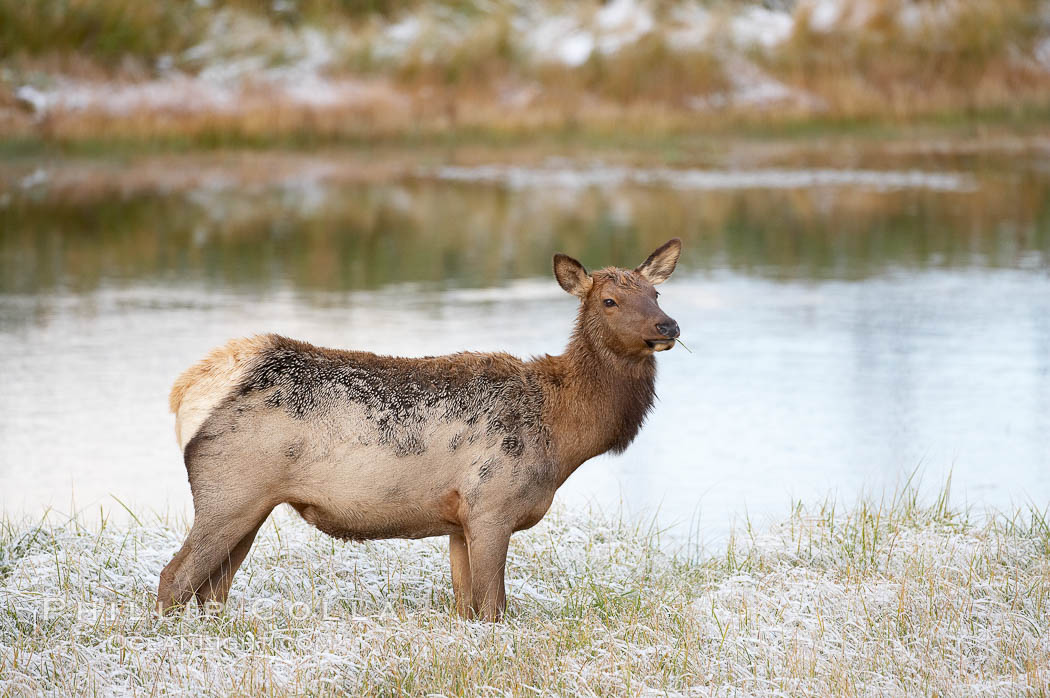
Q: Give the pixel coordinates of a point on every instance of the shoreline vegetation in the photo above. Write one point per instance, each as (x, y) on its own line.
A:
(897, 596)
(96, 74)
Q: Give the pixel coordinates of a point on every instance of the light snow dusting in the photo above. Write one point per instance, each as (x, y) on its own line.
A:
(877, 601)
(243, 62)
(558, 38)
(759, 26)
(560, 177)
(621, 23)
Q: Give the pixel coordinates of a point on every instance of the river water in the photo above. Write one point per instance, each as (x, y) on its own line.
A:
(849, 326)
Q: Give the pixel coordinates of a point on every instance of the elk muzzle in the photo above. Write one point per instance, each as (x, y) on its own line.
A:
(668, 331)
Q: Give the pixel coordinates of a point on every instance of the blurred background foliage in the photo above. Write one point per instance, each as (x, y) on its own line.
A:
(338, 68)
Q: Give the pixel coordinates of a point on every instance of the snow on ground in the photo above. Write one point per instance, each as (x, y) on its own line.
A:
(757, 26)
(885, 599)
(243, 61)
(562, 177)
(1042, 52)
(556, 38)
(182, 93)
(621, 23)
(689, 27)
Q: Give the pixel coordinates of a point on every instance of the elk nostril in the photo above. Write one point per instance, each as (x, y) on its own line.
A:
(668, 329)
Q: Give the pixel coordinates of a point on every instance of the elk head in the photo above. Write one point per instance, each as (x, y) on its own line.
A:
(619, 313)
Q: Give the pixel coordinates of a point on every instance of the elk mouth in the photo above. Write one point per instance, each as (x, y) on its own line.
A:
(662, 344)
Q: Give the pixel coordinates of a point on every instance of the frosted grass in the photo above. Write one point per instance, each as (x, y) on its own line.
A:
(890, 598)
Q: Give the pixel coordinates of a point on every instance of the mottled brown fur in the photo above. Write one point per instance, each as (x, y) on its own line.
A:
(472, 446)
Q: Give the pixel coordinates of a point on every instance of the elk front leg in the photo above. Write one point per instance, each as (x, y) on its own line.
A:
(488, 562)
(459, 556)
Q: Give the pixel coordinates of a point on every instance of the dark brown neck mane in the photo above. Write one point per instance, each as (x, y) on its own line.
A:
(596, 401)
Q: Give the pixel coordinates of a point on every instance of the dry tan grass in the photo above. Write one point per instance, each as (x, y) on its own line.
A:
(949, 56)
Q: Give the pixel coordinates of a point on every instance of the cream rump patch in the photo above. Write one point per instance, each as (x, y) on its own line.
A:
(205, 384)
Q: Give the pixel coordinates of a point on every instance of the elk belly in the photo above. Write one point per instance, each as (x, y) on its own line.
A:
(367, 484)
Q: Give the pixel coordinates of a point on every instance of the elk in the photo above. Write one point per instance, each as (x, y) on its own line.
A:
(471, 446)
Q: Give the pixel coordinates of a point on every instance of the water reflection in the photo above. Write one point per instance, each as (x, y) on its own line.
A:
(479, 234)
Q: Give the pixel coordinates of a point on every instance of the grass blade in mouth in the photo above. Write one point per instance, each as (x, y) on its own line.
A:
(679, 341)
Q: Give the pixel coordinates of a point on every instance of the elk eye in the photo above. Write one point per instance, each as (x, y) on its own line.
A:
(610, 303)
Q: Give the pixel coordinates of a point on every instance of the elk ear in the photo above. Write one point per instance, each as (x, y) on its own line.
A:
(661, 263)
(571, 275)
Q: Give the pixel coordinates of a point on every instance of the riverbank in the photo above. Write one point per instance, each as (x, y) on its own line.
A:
(309, 73)
(892, 597)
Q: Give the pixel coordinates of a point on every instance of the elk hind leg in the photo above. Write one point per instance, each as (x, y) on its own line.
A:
(165, 598)
(210, 543)
(217, 588)
(459, 556)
